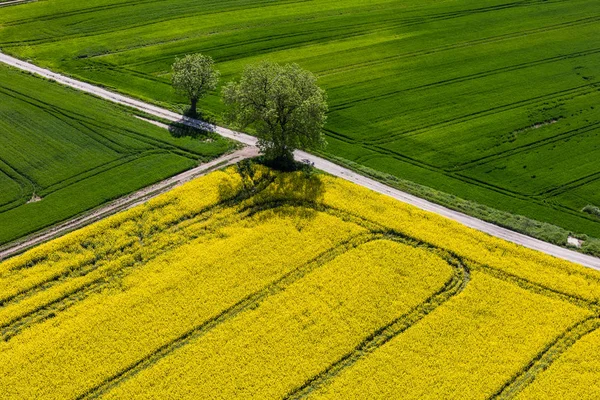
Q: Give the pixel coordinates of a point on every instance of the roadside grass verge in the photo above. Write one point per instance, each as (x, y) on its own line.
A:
(518, 223)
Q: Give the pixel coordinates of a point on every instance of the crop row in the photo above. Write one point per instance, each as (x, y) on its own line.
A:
(228, 216)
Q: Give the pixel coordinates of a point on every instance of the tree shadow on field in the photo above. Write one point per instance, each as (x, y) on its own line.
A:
(295, 196)
(192, 128)
(180, 130)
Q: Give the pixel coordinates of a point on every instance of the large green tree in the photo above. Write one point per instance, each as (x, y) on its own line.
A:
(283, 103)
(194, 76)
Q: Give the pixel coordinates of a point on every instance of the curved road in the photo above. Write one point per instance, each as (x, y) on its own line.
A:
(320, 163)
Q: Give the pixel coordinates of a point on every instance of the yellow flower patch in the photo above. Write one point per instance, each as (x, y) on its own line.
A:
(249, 283)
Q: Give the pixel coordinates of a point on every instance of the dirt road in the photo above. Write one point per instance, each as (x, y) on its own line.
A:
(126, 202)
(320, 163)
(15, 2)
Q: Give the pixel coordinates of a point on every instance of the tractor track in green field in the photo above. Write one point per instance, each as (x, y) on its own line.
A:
(401, 21)
(574, 184)
(582, 90)
(84, 175)
(18, 176)
(126, 4)
(574, 92)
(68, 116)
(79, 12)
(465, 78)
(517, 195)
(93, 130)
(26, 185)
(528, 146)
(455, 172)
(239, 44)
(382, 152)
(100, 32)
(369, 29)
(94, 135)
(538, 198)
(460, 45)
(45, 191)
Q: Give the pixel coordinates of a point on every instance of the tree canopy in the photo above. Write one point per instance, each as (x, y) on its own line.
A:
(283, 104)
(194, 76)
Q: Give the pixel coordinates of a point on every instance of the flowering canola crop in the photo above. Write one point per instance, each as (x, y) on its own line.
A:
(573, 376)
(249, 283)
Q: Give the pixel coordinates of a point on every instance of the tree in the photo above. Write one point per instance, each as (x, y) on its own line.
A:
(194, 76)
(284, 105)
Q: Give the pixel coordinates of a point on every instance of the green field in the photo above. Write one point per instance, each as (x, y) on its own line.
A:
(494, 101)
(75, 152)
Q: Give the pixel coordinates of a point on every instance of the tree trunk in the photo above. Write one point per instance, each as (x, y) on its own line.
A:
(193, 107)
(284, 159)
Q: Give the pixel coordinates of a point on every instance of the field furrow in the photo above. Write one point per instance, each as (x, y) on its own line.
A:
(341, 312)
(573, 375)
(448, 354)
(253, 283)
(544, 359)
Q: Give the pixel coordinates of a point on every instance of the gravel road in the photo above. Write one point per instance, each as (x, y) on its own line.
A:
(320, 163)
(126, 202)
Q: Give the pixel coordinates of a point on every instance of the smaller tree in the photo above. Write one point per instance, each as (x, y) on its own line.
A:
(285, 106)
(194, 76)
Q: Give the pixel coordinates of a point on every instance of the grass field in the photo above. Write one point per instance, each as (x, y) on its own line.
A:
(494, 101)
(248, 283)
(73, 152)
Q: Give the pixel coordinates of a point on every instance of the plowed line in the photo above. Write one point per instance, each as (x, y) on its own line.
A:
(249, 302)
(546, 357)
(375, 340)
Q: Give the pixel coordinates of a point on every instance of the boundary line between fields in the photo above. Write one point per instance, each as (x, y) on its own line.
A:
(320, 163)
(125, 203)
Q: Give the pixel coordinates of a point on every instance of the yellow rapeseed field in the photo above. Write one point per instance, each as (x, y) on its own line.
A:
(249, 283)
